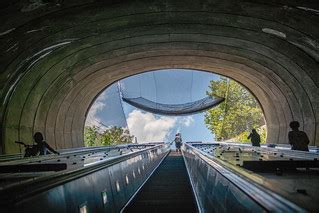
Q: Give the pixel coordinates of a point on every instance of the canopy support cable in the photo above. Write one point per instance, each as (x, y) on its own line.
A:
(121, 98)
(225, 110)
(154, 77)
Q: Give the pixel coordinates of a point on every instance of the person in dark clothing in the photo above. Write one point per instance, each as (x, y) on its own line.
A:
(178, 142)
(297, 139)
(254, 138)
(41, 147)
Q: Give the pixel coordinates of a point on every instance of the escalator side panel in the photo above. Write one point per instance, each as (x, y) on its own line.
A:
(88, 192)
(214, 192)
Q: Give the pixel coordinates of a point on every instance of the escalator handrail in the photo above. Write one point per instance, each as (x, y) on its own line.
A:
(19, 158)
(40, 184)
(267, 199)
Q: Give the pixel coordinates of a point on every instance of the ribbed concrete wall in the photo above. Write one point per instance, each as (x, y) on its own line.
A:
(56, 57)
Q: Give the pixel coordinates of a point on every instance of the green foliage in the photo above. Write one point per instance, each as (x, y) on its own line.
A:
(263, 134)
(110, 136)
(116, 135)
(90, 136)
(237, 115)
(242, 137)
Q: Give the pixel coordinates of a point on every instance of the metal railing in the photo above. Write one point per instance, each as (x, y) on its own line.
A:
(18, 158)
(26, 189)
(264, 149)
(201, 164)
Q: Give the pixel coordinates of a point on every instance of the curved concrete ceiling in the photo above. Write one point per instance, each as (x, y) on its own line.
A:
(57, 56)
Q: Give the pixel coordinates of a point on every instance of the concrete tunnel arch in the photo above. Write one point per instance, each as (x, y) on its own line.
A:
(54, 70)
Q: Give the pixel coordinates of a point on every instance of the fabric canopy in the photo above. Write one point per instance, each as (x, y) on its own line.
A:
(174, 109)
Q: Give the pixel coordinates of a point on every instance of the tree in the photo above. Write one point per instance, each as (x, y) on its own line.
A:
(90, 136)
(110, 136)
(242, 137)
(116, 135)
(239, 113)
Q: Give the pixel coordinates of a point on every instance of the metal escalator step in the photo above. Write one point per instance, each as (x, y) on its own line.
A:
(167, 190)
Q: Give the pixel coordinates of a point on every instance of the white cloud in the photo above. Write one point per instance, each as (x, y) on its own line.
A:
(148, 128)
(144, 125)
(122, 85)
(92, 119)
(187, 121)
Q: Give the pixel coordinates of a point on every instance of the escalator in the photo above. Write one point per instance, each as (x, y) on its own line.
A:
(167, 190)
(101, 180)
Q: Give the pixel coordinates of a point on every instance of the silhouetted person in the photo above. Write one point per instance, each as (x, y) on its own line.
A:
(41, 147)
(254, 138)
(297, 139)
(178, 142)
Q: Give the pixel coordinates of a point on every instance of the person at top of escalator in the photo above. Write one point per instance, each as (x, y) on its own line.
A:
(178, 142)
(254, 138)
(297, 139)
(41, 147)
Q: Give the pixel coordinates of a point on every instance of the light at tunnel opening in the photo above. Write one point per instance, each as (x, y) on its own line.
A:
(178, 90)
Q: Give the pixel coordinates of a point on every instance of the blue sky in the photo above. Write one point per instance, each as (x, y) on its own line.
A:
(171, 86)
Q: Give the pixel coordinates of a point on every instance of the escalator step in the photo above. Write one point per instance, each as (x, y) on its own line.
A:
(167, 190)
